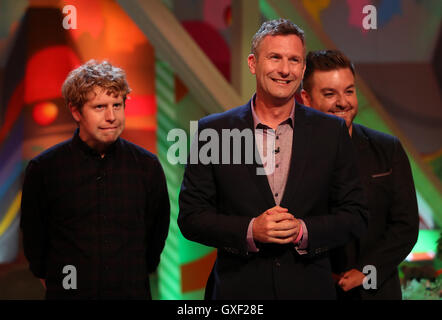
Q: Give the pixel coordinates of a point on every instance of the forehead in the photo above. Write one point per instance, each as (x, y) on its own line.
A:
(334, 79)
(100, 94)
(288, 44)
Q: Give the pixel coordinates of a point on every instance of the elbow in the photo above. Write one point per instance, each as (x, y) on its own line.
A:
(184, 225)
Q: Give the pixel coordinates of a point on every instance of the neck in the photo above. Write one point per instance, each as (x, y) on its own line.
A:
(350, 130)
(272, 114)
(101, 149)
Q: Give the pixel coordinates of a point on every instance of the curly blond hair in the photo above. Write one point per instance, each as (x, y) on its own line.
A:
(81, 82)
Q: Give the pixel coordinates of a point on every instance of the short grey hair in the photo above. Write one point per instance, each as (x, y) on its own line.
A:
(275, 28)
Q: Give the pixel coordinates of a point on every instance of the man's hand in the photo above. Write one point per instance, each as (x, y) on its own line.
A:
(276, 225)
(351, 279)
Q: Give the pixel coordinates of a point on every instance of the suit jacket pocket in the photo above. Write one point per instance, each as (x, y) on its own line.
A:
(382, 174)
(380, 191)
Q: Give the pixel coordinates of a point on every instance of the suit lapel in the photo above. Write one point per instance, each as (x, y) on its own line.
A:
(246, 122)
(363, 153)
(300, 153)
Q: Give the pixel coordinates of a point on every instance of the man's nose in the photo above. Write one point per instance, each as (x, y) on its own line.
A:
(284, 69)
(341, 102)
(110, 114)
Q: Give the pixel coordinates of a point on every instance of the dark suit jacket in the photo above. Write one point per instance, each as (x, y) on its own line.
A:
(218, 201)
(394, 219)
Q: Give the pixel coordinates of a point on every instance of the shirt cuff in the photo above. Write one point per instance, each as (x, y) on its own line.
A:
(251, 246)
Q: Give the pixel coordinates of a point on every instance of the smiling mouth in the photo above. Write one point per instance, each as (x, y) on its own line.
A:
(111, 128)
(340, 113)
(282, 81)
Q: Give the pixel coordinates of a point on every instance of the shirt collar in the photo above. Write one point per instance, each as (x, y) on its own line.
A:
(256, 121)
(87, 150)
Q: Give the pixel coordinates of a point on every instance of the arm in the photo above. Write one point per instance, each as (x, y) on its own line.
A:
(159, 210)
(402, 221)
(199, 217)
(33, 221)
(347, 217)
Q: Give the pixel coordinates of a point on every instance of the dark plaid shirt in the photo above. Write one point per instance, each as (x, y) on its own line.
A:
(108, 217)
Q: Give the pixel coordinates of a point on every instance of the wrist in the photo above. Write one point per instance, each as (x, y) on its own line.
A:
(300, 234)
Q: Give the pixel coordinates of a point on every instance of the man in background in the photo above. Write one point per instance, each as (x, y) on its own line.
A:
(329, 86)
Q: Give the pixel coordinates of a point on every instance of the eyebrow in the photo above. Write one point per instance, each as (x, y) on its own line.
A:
(104, 104)
(332, 89)
(279, 54)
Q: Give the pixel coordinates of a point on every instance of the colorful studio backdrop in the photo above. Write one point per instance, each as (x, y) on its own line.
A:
(187, 58)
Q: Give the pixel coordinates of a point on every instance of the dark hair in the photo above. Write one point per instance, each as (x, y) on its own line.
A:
(275, 28)
(324, 60)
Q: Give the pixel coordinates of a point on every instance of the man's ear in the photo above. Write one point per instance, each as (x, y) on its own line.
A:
(76, 113)
(306, 99)
(251, 61)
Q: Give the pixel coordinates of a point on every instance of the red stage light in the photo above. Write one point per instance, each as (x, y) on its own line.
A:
(44, 113)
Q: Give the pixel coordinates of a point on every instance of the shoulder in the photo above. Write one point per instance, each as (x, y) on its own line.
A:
(139, 154)
(383, 145)
(136, 150)
(50, 159)
(227, 118)
(321, 121)
(52, 153)
(376, 137)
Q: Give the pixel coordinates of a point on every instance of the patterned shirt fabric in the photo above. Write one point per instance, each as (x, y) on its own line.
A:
(108, 217)
(281, 139)
(281, 142)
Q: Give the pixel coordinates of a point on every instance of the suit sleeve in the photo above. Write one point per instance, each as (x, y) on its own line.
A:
(33, 221)
(199, 218)
(159, 206)
(402, 221)
(348, 216)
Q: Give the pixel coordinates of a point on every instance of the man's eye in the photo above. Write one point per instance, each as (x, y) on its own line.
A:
(350, 92)
(117, 105)
(99, 107)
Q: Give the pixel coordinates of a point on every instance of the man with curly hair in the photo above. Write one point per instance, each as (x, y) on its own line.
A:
(95, 208)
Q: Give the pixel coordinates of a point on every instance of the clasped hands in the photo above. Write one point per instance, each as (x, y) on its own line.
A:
(276, 225)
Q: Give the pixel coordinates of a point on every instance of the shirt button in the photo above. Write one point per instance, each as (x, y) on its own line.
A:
(277, 166)
(276, 194)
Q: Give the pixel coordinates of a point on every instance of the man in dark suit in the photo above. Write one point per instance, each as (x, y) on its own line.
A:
(273, 225)
(329, 86)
